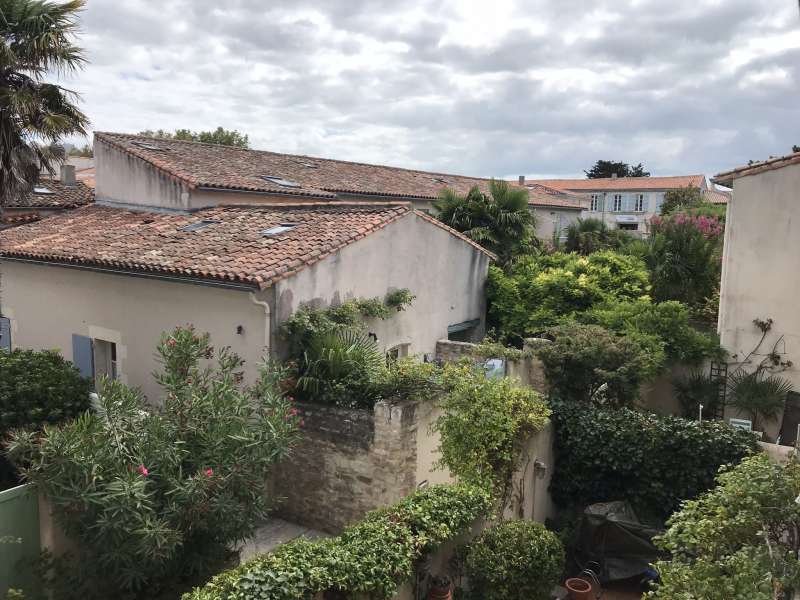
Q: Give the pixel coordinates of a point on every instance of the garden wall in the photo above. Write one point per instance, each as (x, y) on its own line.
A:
(347, 463)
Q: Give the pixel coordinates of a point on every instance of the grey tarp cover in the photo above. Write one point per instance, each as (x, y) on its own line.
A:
(611, 535)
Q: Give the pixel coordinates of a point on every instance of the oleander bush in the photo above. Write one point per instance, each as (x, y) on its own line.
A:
(655, 462)
(514, 560)
(37, 388)
(156, 496)
(371, 557)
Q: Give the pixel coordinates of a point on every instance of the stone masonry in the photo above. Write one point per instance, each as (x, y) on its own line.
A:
(347, 463)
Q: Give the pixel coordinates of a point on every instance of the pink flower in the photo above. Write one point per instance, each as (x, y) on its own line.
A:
(171, 342)
(300, 423)
(293, 412)
(209, 472)
(142, 470)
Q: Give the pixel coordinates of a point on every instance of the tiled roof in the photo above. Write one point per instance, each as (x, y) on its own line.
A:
(231, 248)
(201, 165)
(623, 183)
(87, 176)
(544, 196)
(63, 196)
(727, 177)
(19, 218)
(717, 196)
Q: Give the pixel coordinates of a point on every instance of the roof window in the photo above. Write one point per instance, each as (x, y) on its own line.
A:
(278, 229)
(197, 226)
(308, 165)
(42, 190)
(147, 146)
(280, 181)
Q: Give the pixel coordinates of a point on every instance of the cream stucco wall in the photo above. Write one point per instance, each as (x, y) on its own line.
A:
(47, 304)
(446, 275)
(759, 277)
(550, 220)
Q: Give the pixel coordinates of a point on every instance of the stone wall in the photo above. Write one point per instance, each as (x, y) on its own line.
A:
(347, 463)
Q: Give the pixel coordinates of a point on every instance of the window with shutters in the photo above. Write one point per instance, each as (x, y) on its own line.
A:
(639, 203)
(595, 204)
(617, 202)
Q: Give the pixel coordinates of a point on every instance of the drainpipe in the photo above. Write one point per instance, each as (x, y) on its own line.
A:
(267, 319)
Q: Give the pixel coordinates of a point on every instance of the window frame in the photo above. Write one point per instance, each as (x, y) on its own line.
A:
(617, 203)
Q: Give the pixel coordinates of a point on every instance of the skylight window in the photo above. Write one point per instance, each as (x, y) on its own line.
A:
(439, 180)
(147, 146)
(280, 181)
(279, 229)
(197, 226)
(42, 190)
(309, 165)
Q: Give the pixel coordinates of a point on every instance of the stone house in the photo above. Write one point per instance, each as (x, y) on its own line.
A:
(759, 273)
(625, 202)
(230, 241)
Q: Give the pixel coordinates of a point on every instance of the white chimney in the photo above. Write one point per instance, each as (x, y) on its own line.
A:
(522, 179)
(68, 175)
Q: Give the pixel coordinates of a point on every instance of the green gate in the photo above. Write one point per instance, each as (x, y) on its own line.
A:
(19, 538)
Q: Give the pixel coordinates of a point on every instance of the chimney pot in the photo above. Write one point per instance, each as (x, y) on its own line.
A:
(522, 179)
(68, 175)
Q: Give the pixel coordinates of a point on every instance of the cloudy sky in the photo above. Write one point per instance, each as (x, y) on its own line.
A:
(493, 88)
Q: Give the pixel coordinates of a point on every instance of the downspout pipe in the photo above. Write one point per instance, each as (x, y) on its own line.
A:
(267, 323)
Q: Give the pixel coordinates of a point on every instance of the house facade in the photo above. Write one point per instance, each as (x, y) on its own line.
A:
(625, 202)
(223, 239)
(555, 210)
(759, 275)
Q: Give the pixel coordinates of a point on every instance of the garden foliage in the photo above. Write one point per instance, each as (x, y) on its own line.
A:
(587, 363)
(154, 495)
(652, 461)
(587, 236)
(483, 425)
(514, 560)
(371, 557)
(539, 292)
(37, 388)
(739, 541)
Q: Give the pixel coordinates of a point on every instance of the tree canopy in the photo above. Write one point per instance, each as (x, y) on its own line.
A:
(220, 135)
(500, 221)
(37, 39)
(609, 168)
(682, 198)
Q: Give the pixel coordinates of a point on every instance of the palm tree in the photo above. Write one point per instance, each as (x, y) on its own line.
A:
(501, 221)
(760, 394)
(35, 115)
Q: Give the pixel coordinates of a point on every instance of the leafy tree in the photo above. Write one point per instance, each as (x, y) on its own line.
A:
(585, 236)
(685, 258)
(37, 40)
(221, 136)
(155, 495)
(795, 148)
(547, 290)
(501, 221)
(739, 541)
(587, 363)
(608, 168)
(84, 152)
(682, 198)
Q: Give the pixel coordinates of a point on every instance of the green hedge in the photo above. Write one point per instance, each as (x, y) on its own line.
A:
(652, 461)
(515, 560)
(36, 389)
(374, 556)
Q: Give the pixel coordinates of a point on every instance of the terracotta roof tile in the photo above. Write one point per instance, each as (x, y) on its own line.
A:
(728, 177)
(224, 167)
(231, 247)
(623, 183)
(542, 195)
(717, 196)
(62, 196)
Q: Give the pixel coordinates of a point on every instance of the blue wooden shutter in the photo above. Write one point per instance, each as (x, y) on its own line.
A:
(82, 355)
(5, 333)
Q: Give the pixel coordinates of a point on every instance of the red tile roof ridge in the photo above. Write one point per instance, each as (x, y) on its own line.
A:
(757, 167)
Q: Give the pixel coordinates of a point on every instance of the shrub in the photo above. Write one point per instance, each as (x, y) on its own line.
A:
(667, 321)
(514, 560)
(153, 496)
(543, 291)
(652, 461)
(37, 388)
(371, 557)
(684, 258)
(695, 389)
(682, 199)
(587, 363)
(483, 424)
(586, 236)
(738, 541)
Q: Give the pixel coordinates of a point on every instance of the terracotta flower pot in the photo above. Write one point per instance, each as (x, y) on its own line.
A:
(579, 589)
(440, 593)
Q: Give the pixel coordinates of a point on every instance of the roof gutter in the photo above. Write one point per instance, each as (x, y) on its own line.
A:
(203, 188)
(168, 278)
